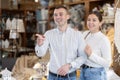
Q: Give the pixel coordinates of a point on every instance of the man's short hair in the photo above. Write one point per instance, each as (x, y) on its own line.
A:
(62, 6)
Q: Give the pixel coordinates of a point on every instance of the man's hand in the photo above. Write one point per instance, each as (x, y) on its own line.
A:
(40, 39)
(63, 70)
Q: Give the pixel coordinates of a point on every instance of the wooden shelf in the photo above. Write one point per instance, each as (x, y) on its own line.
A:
(95, 0)
(73, 3)
(27, 5)
(88, 5)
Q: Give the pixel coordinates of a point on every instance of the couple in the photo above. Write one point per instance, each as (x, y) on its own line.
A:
(68, 49)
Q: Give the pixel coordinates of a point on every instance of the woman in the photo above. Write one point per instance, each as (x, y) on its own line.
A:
(98, 50)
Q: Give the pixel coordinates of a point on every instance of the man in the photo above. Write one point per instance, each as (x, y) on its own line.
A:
(66, 47)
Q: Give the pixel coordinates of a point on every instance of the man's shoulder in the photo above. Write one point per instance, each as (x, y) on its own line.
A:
(51, 30)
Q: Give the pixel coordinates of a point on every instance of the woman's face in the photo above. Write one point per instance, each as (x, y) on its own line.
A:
(93, 23)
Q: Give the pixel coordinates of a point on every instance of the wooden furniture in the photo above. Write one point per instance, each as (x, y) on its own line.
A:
(17, 52)
(25, 6)
(88, 4)
(22, 9)
(116, 64)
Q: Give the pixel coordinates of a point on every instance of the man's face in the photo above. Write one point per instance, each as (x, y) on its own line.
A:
(60, 17)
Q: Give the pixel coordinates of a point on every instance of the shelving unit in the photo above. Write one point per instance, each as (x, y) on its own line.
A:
(88, 5)
(29, 5)
(22, 9)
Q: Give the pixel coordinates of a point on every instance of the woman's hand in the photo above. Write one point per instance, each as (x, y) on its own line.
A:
(88, 50)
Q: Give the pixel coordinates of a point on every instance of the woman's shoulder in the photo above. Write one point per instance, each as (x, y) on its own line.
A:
(85, 32)
(103, 37)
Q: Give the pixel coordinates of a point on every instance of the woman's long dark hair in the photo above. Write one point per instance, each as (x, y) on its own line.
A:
(98, 14)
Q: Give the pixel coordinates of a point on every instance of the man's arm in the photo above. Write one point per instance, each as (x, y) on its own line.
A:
(41, 45)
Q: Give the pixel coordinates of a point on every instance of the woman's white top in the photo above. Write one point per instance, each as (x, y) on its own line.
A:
(101, 49)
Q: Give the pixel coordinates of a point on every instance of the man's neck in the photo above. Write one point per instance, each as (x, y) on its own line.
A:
(63, 28)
